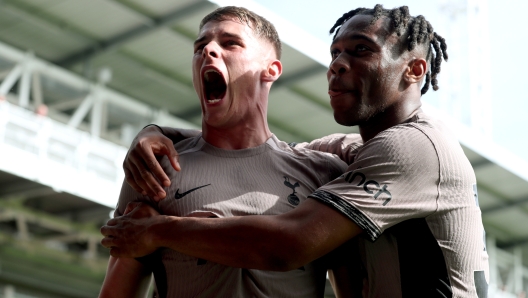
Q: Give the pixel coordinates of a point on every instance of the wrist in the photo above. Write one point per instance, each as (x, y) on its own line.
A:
(162, 227)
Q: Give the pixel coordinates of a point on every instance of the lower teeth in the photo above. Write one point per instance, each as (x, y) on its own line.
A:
(213, 100)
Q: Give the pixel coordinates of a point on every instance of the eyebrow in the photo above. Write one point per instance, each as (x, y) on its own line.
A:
(225, 34)
(356, 36)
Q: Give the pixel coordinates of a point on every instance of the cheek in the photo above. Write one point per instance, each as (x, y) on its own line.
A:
(195, 73)
(196, 83)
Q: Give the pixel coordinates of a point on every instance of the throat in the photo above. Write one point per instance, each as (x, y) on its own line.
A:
(237, 137)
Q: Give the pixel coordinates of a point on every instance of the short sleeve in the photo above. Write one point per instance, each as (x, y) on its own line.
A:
(394, 177)
(127, 195)
(336, 167)
(343, 145)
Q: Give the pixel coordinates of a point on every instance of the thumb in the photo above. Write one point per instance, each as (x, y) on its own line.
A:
(131, 206)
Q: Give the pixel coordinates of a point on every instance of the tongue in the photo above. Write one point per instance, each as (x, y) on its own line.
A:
(216, 94)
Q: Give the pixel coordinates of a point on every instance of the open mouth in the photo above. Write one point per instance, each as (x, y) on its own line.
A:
(214, 86)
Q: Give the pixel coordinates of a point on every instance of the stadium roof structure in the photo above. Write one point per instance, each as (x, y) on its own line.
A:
(138, 54)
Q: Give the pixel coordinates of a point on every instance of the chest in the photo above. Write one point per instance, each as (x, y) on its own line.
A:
(221, 187)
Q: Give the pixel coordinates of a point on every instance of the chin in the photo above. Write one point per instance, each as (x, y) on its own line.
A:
(345, 121)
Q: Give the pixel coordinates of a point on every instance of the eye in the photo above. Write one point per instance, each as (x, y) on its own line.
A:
(362, 48)
(199, 48)
(334, 53)
(231, 43)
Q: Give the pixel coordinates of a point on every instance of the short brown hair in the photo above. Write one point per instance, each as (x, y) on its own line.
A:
(260, 26)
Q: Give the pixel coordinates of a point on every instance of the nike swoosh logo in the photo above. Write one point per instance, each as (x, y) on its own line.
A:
(179, 195)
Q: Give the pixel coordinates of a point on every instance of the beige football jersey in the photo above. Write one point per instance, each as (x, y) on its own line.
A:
(266, 180)
(413, 192)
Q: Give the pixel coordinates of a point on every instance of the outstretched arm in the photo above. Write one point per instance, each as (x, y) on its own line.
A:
(282, 242)
(125, 278)
(142, 169)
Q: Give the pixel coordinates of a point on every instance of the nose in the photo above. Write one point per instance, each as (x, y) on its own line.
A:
(339, 65)
(210, 50)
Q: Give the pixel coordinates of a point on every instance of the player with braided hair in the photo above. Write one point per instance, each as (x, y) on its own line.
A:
(408, 197)
(417, 31)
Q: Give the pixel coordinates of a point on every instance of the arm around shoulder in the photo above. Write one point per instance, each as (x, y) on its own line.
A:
(280, 243)
(343, 145)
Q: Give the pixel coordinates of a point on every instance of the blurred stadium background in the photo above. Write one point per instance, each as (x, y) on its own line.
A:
(79, 78)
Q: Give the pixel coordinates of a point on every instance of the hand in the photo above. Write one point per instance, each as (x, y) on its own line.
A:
(142, 169)
(130, 235)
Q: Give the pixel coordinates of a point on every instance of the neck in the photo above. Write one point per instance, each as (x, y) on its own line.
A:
(391, 116)
(250, 132)
(236, 138)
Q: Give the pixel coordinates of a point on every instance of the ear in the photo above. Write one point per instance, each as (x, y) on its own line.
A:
(273, 71)
(415, 71)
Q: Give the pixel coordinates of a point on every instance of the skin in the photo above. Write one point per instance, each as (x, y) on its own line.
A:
(370, 87)
(237, 121)
(361, 78)
(127, 277)
(249, 66)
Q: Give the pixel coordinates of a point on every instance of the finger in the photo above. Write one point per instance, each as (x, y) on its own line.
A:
(106, 230)
(136, 176)
(108, 242)
(131, 206)
(114, 252)
(145, 178)
(129, 177)
(112, 222)
(141, 182)
(146, 153)
(174, 158)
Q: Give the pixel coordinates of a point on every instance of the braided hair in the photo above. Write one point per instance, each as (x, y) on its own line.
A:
(419, 31)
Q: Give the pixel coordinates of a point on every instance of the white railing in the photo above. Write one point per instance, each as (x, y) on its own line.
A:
(54, 154)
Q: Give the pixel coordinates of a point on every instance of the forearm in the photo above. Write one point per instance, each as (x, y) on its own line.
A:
(245, 242)
(280, 243)
(125, 277)
(342, 145)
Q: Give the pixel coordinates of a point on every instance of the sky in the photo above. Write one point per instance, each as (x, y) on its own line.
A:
(506, 63)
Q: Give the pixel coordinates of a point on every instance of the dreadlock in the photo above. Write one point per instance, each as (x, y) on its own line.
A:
(418, 29)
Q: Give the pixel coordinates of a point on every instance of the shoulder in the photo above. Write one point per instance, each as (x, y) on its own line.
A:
(301, 152)
(406, 147)
(407, 138)
(421, 136)
(185, 149)
(315, 159)
(342, 140)
(189, 145)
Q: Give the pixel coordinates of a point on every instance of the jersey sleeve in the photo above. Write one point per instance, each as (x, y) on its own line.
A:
(335, 168)
(343, 145)
(394, 177)
(127, 195)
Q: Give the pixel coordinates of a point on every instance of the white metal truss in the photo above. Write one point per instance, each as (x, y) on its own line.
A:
(67, 159)
(28, 72)
(65, 150)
